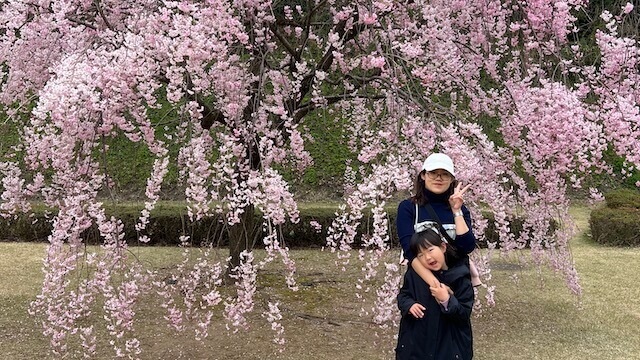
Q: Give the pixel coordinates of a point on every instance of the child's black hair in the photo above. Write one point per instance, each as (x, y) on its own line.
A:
(429, 237)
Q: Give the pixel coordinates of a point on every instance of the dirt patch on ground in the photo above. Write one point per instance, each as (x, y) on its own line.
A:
(324, 319)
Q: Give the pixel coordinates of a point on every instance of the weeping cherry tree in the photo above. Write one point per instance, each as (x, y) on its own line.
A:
(515, 91)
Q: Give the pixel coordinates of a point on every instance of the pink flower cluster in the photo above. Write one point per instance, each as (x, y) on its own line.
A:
(236, 308)
(191, 293)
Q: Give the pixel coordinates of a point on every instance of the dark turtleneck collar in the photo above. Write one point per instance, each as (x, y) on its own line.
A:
(436, 198)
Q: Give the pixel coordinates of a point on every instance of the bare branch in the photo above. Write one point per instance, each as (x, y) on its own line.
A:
(308, 107)
(285, 43)
(81, 22)
(104, 18)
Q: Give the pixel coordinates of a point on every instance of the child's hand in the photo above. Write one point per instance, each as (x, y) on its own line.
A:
(441, 293)
(437, 283)
(417, 310)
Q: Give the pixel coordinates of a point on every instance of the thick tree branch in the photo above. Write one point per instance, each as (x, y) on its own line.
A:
(307, 26)
(81, 22)
(308, 107)
(210, 116)
(101, 13)
(358, 82)
(294, 54)
(324, 65)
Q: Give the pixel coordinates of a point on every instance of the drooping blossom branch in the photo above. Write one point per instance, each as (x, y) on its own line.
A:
(237, 307)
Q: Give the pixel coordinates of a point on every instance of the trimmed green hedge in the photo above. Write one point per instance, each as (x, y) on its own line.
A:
(618, 223)
(169, 221)
(623, 198)
(616, 227)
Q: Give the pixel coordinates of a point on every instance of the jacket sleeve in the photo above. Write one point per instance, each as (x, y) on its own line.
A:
(404, 226)
(466, 242)
(406, 297)
(461, 302)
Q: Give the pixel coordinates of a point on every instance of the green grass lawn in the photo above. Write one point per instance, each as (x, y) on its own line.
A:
(535, 316)
(538, 319)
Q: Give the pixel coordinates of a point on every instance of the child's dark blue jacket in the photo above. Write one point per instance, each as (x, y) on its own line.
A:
(442, 334)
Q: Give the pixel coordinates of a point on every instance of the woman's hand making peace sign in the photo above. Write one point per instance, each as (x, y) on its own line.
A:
(456, 199)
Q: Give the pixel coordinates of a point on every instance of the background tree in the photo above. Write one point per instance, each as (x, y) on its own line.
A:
(504, 87)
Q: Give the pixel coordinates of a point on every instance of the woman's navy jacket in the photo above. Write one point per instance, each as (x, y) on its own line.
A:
(464, 244)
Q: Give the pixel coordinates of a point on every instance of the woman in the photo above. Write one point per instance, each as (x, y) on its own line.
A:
(437, 200)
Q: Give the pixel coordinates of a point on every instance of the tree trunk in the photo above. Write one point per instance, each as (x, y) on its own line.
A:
(242, 236)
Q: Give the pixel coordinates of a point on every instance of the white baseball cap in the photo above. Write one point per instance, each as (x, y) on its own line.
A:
(439, 161)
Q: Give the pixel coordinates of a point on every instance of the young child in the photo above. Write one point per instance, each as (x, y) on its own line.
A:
(435, 325)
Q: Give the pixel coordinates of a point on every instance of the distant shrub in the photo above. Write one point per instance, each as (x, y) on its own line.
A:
(616, 227)
(168, 222)
(491, 234)
(618, 223)
(623, 198)
(25, 228)
(516, 225)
